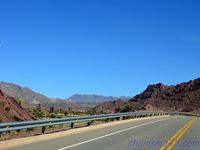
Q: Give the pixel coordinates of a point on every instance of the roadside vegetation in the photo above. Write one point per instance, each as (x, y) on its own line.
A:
(41, 113)
(126, 108)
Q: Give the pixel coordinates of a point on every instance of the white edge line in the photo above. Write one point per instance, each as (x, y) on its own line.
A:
(113, 133)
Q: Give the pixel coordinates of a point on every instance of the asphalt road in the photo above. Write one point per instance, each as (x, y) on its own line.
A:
(150, 134)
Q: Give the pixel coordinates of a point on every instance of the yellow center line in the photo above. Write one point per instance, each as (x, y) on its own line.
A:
(170, 144)
(180, 135)
(172, 138)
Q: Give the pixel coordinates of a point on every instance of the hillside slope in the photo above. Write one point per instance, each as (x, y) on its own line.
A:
(33, 98)
(23, 92)
(10, 110)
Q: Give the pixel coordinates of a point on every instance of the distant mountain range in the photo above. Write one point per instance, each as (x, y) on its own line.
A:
(76, 101)
(93, 100)
(34, 98)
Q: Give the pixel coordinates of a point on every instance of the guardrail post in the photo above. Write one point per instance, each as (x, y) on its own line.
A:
(72, 125)
(43, 130)
(89, 123)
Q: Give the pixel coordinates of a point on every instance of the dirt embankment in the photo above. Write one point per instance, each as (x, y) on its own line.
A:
(10, 110)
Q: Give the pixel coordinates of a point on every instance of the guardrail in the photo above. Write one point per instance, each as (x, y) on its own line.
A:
(16, 126)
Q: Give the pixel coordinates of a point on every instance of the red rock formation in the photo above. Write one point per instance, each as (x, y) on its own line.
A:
(182, 97)
(10, 110)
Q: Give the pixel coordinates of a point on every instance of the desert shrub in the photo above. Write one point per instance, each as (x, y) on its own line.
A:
(127, 108)
(20, 101)
(17, 118)
(2, 104)
(60, 115)
(52, 115)
(7, 109)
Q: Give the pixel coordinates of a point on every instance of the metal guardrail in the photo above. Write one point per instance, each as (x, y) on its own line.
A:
(17, 126)
(185, 113)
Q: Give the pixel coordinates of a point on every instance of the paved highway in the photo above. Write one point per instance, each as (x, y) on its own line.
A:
(174, 132)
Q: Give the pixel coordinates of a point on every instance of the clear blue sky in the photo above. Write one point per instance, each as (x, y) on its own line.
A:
(107, 47)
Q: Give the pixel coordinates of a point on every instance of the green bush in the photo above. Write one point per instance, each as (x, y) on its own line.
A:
(52, 115)
(20, 101)
(127, 108)
(2, 104)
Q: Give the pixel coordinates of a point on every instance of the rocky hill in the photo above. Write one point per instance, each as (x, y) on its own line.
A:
(158, 97)
(10, 110)
(181, 97)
